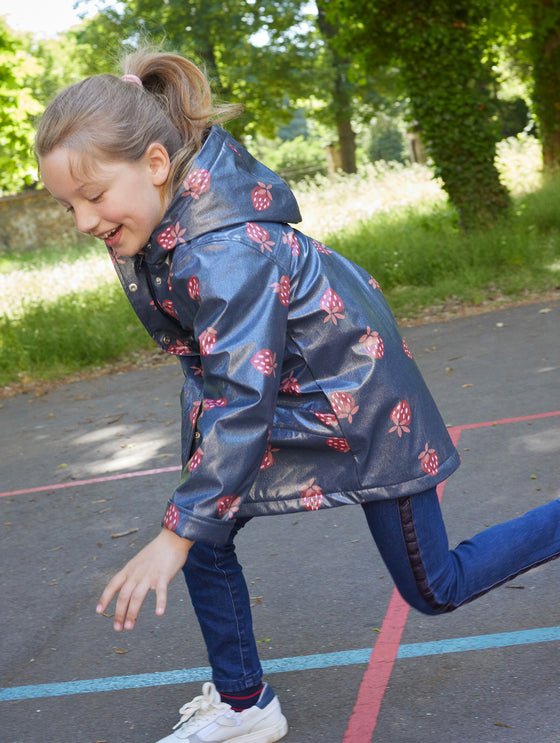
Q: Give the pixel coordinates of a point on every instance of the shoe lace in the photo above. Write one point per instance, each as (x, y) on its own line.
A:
(207, 702)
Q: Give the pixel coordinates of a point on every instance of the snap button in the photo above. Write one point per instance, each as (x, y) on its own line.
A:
(132, 287)
(166, 339)
(158, 280)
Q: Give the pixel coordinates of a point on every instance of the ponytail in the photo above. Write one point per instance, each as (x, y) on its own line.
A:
(116, 119)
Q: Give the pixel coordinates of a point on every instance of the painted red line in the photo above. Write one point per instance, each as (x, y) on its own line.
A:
(363, 720)
(93, 481)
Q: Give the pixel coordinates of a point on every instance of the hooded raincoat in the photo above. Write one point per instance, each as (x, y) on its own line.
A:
(300, 392)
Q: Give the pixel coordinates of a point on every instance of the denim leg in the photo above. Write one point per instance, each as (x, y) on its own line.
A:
(221, 601)
(412, 539)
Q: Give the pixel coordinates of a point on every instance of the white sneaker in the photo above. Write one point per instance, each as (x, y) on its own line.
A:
(209, 720)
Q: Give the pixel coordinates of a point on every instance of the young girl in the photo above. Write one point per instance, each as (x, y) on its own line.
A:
(299, 393)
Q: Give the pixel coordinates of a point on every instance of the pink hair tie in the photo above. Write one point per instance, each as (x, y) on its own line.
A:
(132, 79)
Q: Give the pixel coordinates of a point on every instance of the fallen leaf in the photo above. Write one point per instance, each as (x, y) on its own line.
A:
(121, 652)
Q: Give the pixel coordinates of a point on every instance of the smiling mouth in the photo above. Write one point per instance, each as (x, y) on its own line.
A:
(108, 235)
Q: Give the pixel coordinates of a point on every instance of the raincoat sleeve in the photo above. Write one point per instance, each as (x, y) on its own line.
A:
(235, 296)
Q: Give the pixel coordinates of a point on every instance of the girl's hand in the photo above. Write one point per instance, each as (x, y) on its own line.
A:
(152, 569)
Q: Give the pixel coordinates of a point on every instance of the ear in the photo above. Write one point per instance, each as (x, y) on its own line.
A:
(158, 162)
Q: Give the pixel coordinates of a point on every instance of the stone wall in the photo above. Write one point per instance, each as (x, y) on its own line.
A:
(33, 219)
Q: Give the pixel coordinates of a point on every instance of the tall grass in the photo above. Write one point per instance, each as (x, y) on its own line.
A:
(63, 310)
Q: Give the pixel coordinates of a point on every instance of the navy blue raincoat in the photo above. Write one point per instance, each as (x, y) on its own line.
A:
(300, 392)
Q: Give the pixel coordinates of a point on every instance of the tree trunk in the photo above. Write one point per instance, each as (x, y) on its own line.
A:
(545, 52)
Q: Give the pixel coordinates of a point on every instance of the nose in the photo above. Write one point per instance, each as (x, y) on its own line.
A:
(85, 217)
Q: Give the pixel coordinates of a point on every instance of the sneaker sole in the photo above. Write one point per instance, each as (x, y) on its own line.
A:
(268, 735)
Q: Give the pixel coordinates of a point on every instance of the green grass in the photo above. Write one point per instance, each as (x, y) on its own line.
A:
(415, 252)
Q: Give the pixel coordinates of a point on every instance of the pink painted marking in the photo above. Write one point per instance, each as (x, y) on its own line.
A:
(93, 481)
(363, 720)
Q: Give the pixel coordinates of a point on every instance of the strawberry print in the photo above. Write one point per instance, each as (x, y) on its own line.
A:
(261, 197)
(400, 418)
(406, 349)
(333, 305)
(268, 459)
(327, 418)
(194, 412)
(290, 385)
(228, 506)
(344, 405)
(312, 497)
(373, 282)
(195, 460)
(259, 235)
(179, 348)
(208, 404)
(196, 183)
(373, 344)
(171, 518)
(282, 288)
(167, 305)
(429, 461)
(193, 288)
(338, 444)
(171, 235)
(207, 341)
(289, 238)
(321, 248)
(265, 362)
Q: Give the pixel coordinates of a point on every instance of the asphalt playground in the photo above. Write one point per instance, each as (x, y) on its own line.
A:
(85, 472)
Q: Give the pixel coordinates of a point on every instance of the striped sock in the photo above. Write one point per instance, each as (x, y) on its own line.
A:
(241, 700)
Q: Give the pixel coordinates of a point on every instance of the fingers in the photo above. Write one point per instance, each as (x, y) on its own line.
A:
(128, 606)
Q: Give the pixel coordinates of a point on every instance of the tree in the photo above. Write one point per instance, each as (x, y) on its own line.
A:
(17, 108)
(222, 37)
(442, 51)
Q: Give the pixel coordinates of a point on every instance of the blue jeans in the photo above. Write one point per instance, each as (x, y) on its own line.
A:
(411, 537)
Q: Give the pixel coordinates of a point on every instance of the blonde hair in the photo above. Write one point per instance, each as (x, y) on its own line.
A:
(106, 116)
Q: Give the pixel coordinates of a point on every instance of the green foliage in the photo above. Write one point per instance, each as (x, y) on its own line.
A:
(294, 159)
(386, 141)
(442, 51)
(17, 108)
(74, 332)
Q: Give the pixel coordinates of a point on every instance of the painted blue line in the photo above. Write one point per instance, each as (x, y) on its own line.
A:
(282, 665)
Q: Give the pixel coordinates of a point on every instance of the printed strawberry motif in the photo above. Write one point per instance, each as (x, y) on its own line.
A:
(196, 183)
(268, 459)
(327, 418)
(282, 288)
(193, 288)
(261, 197)
(429, 461)
(171, 518)
(338, 444)
(171, 235)
(312, 497)
(259, 235)
(333, 305)
(207, 341)
(289, 238)
(373, 282)
(194, 412)
(195, 460)
(167, 305)
(401, 417)
(406, 349)
(290, 385)
(321, 248)
(228, 505)
(179, 348)
(265, 362)
(344, 405)
(208, 404)
(373, 343)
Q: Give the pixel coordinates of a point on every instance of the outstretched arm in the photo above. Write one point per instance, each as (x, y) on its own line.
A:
(152, 569)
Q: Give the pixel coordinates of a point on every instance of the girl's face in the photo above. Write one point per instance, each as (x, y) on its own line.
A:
(120, 202)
